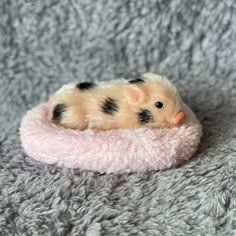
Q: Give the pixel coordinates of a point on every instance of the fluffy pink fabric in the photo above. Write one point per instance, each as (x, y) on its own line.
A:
(114, 151)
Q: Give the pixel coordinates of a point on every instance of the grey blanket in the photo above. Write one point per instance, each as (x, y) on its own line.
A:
(46, 43)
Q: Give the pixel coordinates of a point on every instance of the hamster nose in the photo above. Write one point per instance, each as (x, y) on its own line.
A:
(179, 118)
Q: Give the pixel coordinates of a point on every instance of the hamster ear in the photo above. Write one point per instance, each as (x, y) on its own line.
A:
(134, 94)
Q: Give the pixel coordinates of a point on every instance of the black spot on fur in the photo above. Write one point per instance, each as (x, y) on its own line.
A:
(137, 81)
(145, 116)
(109, 106)
(58, 111)
(86, 85)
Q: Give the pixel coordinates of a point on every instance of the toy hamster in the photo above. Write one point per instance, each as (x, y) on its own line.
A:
(152, 101)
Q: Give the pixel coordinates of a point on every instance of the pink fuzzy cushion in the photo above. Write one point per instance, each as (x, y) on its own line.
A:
(114, 151)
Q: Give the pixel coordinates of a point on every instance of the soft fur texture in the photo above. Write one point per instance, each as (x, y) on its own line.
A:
(117, 104)
(114, 151)
(45, 44)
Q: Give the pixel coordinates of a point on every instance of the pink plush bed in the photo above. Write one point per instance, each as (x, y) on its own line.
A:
(115, 151)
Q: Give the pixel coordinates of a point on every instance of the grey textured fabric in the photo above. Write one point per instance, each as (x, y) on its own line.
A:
(46, 43)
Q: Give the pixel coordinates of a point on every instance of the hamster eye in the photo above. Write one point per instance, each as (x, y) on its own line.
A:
(159, 104)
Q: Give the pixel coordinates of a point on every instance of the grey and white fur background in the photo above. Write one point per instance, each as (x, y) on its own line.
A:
(46, 43)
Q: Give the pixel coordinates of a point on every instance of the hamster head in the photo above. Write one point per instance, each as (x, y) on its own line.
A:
(157, 102)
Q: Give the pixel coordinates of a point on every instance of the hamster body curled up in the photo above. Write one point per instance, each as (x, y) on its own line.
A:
(152, 101)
